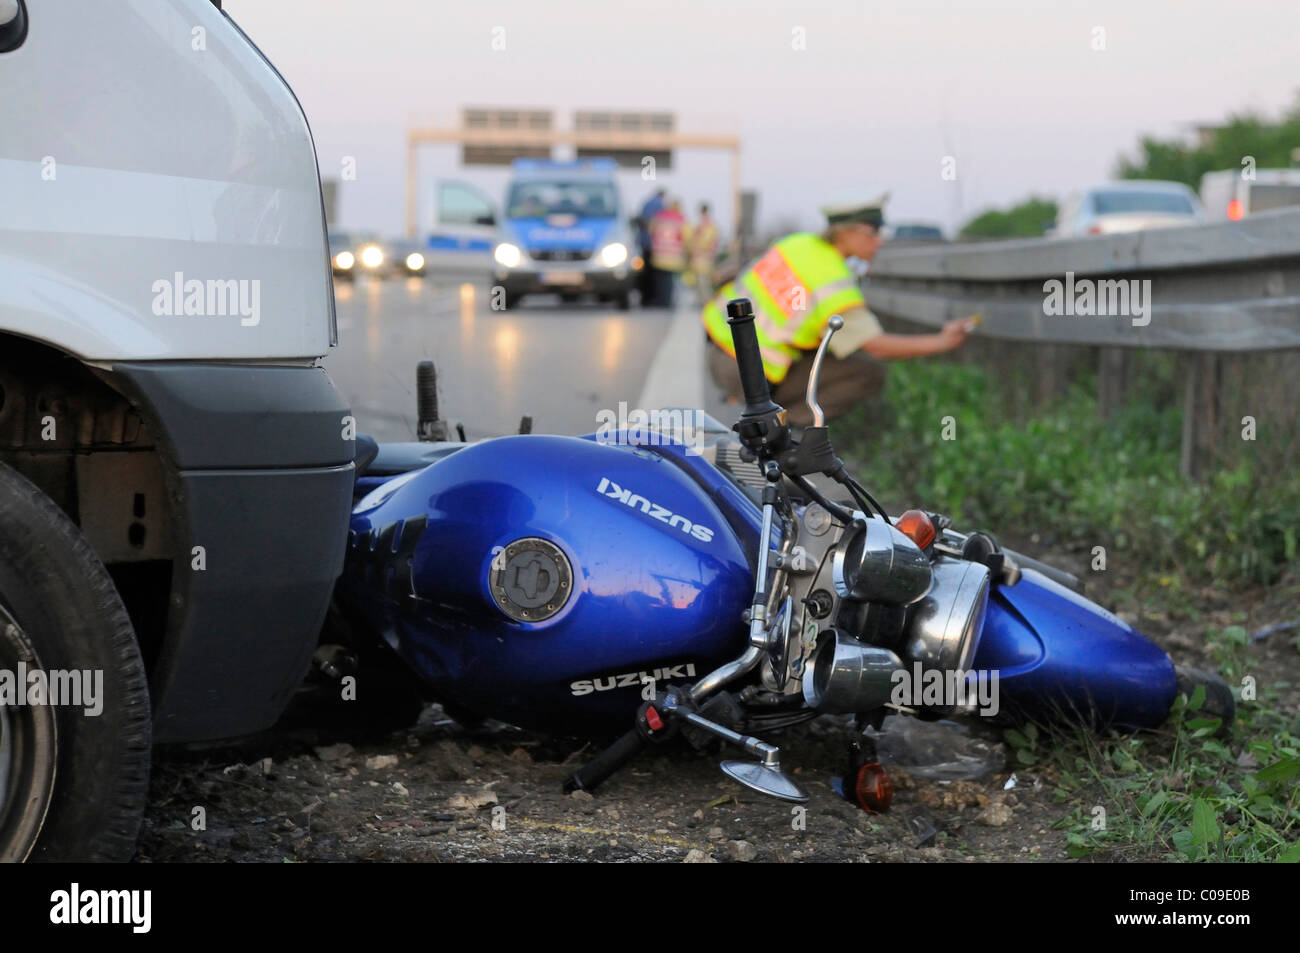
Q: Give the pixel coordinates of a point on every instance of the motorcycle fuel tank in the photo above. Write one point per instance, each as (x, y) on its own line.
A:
(540, 579)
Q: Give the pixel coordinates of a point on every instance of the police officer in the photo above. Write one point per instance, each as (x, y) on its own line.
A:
(795, 287)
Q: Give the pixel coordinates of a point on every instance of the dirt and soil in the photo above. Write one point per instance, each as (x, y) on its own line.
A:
(441, 792)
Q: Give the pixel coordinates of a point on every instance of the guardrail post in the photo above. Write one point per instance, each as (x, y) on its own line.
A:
(1114, 366)
(1202, 413)
(1053, 377)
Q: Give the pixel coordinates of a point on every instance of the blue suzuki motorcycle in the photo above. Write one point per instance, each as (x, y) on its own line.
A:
(633, 586)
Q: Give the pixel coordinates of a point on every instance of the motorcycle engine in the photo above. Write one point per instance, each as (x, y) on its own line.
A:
(877, 605)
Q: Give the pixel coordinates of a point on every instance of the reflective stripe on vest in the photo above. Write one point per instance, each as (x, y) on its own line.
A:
(667, 249)
(795, 287)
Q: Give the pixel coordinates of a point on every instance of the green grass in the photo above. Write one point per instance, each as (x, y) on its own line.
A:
(1185, 792)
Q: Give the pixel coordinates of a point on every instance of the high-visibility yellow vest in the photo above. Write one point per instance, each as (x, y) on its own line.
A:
(795, 287)
(702, 243)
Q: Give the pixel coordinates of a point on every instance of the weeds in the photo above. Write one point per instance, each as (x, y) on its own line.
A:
(1184, 792)
(1068, 474)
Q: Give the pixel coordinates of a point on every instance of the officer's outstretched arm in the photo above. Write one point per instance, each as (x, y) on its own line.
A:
(893, 347)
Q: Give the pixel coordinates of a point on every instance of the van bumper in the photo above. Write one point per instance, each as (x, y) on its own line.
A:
(606, 281)
(260, 485)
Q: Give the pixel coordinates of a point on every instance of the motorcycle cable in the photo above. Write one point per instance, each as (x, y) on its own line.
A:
(837, 511)
(859, 491)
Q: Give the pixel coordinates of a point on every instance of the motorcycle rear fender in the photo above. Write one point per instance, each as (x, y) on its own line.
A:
(1057, 653)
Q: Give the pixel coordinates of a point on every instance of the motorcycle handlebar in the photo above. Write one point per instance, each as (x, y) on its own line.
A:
(590, 776)
(749, 360)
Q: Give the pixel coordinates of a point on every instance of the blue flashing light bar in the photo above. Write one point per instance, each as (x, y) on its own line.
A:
(588, 166)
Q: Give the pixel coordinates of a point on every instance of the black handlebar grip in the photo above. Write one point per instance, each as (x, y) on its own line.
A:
(749, 360)
(589, 776)
(426, 392)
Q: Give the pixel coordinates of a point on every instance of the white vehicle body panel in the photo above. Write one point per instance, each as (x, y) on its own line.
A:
(146, 144)
(1218, 189)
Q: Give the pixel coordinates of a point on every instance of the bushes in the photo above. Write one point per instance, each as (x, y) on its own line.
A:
(1065, 473)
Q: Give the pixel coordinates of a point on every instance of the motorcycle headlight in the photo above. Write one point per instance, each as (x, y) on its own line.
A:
(613, 254)
(944, 628)
(874, 562)
(372, 256)
(507, 255)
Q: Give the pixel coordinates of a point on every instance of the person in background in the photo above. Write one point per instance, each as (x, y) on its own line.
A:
(646, 279)
(795, 287)
(667, 252)
(701, 253)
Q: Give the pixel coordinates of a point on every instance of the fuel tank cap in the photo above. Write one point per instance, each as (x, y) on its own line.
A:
(531, 579)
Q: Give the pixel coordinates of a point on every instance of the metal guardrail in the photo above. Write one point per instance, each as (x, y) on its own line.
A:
(1232, 286)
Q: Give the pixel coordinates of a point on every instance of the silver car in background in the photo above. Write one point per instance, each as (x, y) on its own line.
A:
(1127, 207)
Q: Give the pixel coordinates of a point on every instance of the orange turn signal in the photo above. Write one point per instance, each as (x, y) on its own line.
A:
(917, 527)
(1235, 210)
(873, 789)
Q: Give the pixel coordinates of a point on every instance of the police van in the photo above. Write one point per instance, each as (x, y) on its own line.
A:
(562, 230)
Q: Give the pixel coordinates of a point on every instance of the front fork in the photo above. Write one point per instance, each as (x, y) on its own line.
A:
(658, 719)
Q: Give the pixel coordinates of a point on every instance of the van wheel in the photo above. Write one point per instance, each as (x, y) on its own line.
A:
(623, 300)
(74, 776)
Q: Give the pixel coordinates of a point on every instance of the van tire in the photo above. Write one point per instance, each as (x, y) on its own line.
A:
(66, 610)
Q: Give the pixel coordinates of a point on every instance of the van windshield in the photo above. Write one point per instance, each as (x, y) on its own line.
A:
(540, 199)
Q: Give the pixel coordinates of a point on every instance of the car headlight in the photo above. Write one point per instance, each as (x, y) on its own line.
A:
(344, 260)
(613, 254)
(508, 255)
(372, 256)
(414, 261)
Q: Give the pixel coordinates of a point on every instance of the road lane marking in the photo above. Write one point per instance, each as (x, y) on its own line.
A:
(676, 375)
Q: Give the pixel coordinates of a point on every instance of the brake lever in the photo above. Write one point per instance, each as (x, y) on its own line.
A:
(818, 418)
(813, 453)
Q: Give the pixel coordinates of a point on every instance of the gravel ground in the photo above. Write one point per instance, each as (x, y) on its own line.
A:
(441, 792)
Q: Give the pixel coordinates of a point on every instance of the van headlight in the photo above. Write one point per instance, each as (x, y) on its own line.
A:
(344, 260)
(613, 254)
(414, 261)
(508, 255)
